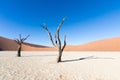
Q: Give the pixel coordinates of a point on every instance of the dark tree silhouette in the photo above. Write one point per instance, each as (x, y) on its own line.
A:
(57, 41)
(20, 41)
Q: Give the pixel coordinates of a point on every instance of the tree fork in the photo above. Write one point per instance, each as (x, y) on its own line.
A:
(57, 42)
(20, 41)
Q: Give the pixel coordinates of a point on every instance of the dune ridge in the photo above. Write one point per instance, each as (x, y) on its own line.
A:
(111, 44)
(10, 45)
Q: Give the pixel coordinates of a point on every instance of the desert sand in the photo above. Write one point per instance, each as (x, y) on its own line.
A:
(111, 44)
(26, 47)
(7, 44)
(75, 66)
(10, 45)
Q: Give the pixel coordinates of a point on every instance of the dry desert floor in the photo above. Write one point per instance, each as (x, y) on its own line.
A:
(74, 66)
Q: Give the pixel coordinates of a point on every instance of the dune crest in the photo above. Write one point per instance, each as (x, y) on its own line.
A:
(111, 44)
(10, 45)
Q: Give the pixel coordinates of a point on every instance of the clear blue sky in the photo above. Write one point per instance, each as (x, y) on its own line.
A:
(86, 20)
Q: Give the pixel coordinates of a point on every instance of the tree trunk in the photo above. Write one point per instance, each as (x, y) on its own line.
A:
(59, 56)
(19, 51)
(19, 42)
(57, 42)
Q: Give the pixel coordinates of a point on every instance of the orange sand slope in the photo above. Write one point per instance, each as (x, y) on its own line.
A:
(32, 47)
(112, 44)
(7, 44)
(11, 45)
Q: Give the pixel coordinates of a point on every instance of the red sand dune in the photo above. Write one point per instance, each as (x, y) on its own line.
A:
(7, 44)
(112, 44)
(31, 47)
(11, 45)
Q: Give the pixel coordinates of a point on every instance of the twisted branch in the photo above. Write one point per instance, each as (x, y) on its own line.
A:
(57, 42)
(50, 36)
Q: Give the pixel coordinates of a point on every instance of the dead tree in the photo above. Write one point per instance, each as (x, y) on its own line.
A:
(20, 41)
(57, 42)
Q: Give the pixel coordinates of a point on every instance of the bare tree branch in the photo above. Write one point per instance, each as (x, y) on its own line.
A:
(44, 26)
(64, 43)
(26, 37)
(59, 26)
(19, 42)
(57, 42)
(57, 33)
(22, 40)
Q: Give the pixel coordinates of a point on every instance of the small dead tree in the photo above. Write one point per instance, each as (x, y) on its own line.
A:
(57, 42)
(20, 41)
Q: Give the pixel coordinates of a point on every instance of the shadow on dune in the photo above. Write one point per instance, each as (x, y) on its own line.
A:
(87, 58)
